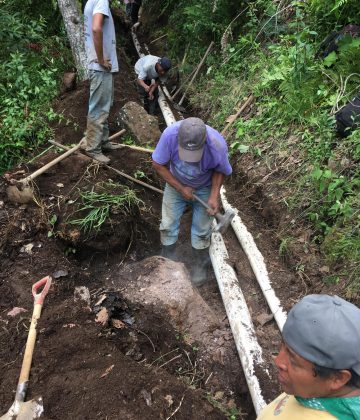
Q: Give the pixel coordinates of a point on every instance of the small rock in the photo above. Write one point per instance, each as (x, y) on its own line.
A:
(263, 318)
(116, 323)
(27, 248)
(81, 293)
(219, 395)
(68, 82)
(147, 397)
(169, 400)
(16, 311)
(60, 273)
(102, 317)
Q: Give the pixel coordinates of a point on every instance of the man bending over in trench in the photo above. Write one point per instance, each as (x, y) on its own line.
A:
(151, 70)
(197, 156)
(319, 362)
(100, 46)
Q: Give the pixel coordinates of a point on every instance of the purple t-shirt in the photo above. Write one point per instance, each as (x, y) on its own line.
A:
(195, 175)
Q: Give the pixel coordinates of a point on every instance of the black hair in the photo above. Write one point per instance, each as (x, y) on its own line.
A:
(325, 373)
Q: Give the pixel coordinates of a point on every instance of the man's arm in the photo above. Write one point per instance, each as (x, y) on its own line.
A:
(164, 173)
(153, 86)
(97, 30)
(217, 180)
(141, 83)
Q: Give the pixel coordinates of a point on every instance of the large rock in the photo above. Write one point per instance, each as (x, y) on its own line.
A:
(144, 128)
(166, 285)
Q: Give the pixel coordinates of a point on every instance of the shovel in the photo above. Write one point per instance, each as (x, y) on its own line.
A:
(21, 410)
(25, 193)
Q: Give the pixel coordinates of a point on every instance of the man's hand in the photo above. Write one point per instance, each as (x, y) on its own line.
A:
(187, 193)
(151, 96)
(146, 88)
(214, 204)
(105, 63)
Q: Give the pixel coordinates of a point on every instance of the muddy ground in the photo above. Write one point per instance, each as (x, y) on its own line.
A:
(164, 349)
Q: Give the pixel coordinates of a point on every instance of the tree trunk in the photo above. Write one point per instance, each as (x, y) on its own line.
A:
(73, 22)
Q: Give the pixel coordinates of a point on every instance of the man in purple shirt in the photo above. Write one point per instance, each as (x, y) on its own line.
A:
(193, 159)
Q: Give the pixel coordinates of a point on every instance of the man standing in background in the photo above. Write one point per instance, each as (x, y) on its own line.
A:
(100, 47)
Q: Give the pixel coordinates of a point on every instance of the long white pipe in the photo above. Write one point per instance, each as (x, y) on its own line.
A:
(249, 351)
(257, 263)
(237, 311)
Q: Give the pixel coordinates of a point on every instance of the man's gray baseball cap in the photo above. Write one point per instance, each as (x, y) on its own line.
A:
(325, 330)
(191, 139)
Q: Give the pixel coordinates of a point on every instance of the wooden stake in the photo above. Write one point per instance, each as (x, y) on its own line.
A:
(248, 101)
(116, 135)
(197, 71)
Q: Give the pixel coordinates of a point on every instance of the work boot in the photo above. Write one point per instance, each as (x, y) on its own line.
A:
(98, 156)
(109, 147)
(201, 263)
(169, 251)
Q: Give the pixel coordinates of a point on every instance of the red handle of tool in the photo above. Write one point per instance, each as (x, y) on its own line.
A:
(39, 297)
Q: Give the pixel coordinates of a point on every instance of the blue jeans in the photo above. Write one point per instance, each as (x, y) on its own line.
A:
(100, 101)
(173, 207)
(128, 7)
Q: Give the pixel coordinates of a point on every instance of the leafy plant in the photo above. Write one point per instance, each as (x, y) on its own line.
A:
(97, 206)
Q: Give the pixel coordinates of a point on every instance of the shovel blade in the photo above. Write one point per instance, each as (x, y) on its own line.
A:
(16, 195)
(27, 410)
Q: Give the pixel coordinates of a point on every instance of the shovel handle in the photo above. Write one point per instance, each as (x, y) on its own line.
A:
(30, 343)
(52, 163)
(39, 297)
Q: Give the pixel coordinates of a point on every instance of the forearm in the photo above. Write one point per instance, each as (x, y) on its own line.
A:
(153, 87)
(217, 180)
(167, 176)
(97, 31)
(141, 83)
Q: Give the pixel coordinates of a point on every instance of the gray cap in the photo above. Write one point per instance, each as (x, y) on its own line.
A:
(191, 139)
(326, 331)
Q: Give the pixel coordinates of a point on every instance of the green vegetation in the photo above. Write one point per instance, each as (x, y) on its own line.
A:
(33, 55)
(97, 206)
(269, 49)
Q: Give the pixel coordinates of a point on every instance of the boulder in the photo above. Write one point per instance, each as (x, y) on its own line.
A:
(166, 285)
(144, 128)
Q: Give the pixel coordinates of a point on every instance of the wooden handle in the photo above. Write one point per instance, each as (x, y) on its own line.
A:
(30, 343)
(248, 102)
(197, 71)
(52, 163)
(118, 134)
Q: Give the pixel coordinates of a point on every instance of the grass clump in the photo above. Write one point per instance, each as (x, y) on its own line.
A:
(97, 206)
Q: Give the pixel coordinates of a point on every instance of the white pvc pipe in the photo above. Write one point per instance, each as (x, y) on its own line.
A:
(257, 263)
(249, 351)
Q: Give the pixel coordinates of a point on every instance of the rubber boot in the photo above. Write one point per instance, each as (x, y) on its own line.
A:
(169, 251)
(201, 263)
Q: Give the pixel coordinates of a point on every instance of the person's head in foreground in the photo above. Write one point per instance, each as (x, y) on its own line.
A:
(319, 359)
(163, 66)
